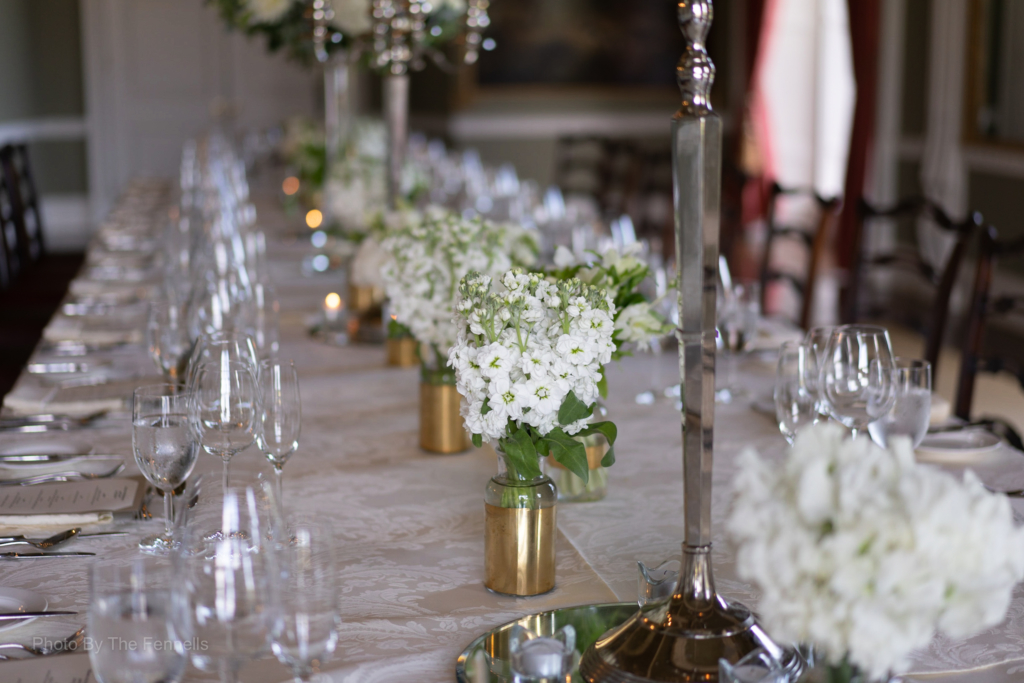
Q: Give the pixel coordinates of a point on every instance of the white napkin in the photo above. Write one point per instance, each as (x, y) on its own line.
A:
(30, 397)
(18, 522)
(63, 328)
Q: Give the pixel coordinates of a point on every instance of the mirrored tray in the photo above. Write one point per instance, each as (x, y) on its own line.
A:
(489, 653)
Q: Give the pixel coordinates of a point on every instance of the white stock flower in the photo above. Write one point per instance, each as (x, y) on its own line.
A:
(352, 16)
(865, 554)
(267, 11)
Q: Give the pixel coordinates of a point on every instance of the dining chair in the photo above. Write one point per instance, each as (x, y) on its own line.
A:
(910, 259)
(982, 353)
(17, 174)
(814, 240)
(9, 262)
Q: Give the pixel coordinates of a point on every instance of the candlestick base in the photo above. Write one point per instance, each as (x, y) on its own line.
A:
(681, 639)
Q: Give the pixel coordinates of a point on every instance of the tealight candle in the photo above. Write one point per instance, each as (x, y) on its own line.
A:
(541, 658)
(333, 306)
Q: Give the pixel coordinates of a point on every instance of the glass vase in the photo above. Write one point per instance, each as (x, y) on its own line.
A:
(519, 532)
(572, 489)
(442, 429)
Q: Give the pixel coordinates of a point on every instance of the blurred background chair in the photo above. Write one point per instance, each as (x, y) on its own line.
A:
(814, 237)
(932, 318)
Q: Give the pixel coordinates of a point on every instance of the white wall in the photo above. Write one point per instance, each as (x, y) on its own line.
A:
(154, 71)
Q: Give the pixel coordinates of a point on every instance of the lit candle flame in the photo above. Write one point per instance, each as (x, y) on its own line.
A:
(314, 218)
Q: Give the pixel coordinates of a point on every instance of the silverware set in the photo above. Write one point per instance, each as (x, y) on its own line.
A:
(44, 422)
(72, 643)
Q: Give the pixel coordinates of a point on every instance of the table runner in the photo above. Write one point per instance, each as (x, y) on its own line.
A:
(410, 524)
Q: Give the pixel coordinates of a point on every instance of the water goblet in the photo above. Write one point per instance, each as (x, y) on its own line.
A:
(817, 338)
(911, 410)
(164, 446)
(795, 403)
(168, 339)
(280, 417)
(856, 376)
(224, 408)
(308, 633)
(231, 576)
(137, 619)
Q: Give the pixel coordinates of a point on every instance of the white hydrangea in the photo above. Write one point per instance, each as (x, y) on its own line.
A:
(521, 351)
(267, 11)
(863, 553)
(430, 253)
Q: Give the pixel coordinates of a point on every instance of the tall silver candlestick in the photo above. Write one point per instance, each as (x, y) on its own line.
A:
(683, 638)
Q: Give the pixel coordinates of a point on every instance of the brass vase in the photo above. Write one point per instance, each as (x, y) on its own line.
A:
(442, 429)
(572, 489)
(401, 352)
(364, 298)
(519, 533)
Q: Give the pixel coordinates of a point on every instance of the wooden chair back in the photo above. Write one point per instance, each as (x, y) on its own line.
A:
(942, 280)
(17, 174)
(815, 241)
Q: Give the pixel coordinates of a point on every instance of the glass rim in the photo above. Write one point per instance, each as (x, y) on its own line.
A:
(873, 329)
(904, 363)
(160, 389)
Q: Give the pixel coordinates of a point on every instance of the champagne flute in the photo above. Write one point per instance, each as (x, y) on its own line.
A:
(795, 404)
(137, 616)
(309, 599)
(164, 447)
(224, 408)
(280, 416)
(168, 339)
(856, 376)
(911, 410)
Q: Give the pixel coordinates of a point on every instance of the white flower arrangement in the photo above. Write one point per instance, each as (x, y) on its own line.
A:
(267, 11)
(621, 274)
(430, 253)
(528, 361)
(864, 554)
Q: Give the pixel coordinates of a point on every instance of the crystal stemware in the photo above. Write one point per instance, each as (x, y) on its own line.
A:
(737, 326)
(309, 599)
(856, 375)
(137, 619)
(281, 415)
(817, 338)
(224, 408)
(168, 338)
(795, 403)
(912, 407)
(240, 347)
(231, 577)
(164, 446)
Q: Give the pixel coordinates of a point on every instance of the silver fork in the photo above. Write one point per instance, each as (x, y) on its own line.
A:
(59, 477)
(70, 644)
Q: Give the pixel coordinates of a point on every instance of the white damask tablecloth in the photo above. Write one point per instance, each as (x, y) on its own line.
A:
(411, 524)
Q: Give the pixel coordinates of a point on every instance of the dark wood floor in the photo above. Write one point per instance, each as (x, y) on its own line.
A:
(27, 306)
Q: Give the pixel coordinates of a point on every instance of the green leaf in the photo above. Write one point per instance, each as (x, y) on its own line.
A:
(519, 458)
(478, 440)
(609, 458)
(486, 408)
(602, 384)
(522, 437)
(572, 410)
(569, 452)
(610, 431)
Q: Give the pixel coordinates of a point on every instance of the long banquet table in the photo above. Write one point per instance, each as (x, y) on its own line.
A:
(411, 524)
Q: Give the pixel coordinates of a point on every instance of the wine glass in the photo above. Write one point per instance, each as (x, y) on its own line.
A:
(309, 599)
(231, 575)
(240, 347)
(911, 410)
(795, 403)
(817, 338)
(164, 446)
(137, 618)
(737, 325)
(856, 376)
(280, 416)
(168, 338)
(224, 408)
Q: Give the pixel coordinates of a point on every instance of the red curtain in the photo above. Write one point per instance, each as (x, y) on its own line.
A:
(864, 30)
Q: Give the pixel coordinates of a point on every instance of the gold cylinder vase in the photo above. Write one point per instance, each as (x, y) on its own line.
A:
(401, 352)
(442, 429)
(519, 535)
(363, 298)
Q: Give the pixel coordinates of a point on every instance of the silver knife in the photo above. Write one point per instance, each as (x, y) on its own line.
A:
(34, 556)
(36, 458)
(9, 616)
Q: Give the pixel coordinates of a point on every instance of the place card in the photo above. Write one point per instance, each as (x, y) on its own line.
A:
(100, 495)
(57, 669)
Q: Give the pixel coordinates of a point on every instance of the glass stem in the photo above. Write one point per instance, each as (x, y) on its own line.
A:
(226, 459)
(278, 487)
(168, 515)
(854, 431)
